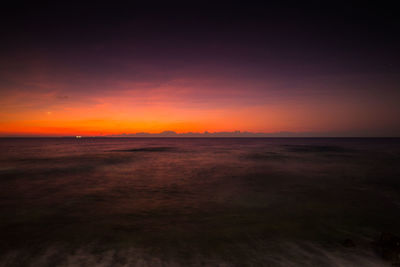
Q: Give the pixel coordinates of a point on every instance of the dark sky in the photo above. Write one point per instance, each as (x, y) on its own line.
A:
(109, 68)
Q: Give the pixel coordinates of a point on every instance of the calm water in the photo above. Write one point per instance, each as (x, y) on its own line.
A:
(180, 202)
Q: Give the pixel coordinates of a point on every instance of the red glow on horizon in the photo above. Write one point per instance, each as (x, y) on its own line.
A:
(214, 104)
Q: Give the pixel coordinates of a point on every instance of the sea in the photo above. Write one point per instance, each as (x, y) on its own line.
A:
(197, 201)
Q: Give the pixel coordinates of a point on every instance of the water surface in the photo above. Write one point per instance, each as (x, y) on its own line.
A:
(200, 201)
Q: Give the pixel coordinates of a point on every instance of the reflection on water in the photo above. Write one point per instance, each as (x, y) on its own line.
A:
(103, 201)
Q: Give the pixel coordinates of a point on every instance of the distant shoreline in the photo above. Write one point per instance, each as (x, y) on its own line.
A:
(199, 137)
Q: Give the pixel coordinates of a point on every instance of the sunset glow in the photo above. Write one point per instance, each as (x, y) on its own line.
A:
(199, 133)
(134, 79)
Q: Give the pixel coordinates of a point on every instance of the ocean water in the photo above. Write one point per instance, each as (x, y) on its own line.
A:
(197, 201)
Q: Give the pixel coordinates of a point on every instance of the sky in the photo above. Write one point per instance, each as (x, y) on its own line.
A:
(108, 69)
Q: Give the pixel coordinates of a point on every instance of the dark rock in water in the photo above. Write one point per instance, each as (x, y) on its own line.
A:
(388, 247)
(348, 243)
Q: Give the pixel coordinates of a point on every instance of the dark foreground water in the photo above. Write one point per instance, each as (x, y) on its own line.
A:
(195, 202)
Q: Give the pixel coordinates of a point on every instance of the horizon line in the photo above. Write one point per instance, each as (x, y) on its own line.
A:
(202, 137)
(206, 134)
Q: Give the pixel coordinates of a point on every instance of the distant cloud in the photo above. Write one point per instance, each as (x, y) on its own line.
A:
(223, 134)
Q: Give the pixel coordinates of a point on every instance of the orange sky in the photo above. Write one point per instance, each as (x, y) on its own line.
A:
(145, 75)
(183, 106)
(98, 73)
